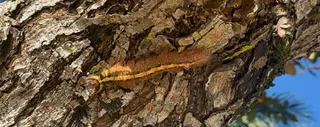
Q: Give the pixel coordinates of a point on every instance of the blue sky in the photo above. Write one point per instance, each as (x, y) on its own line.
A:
(303, 87)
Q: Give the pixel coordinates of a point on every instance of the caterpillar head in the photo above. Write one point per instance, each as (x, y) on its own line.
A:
(95, 80)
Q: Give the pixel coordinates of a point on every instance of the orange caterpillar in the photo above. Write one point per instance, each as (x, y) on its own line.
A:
(124, 73)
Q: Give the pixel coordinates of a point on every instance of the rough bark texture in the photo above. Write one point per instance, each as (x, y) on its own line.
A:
(48, 45)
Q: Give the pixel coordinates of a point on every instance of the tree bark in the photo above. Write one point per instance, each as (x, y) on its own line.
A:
(47, 46)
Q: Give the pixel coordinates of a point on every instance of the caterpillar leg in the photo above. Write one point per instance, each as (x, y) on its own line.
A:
(102, 86)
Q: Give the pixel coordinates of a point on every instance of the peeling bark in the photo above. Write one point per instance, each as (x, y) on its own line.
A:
(47, 46)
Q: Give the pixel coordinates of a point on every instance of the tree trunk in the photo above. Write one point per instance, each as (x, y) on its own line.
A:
(47, 47)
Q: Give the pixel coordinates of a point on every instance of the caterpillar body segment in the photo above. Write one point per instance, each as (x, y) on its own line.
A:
(126, 73)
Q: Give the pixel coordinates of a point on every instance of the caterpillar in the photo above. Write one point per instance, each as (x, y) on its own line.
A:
(126, 73)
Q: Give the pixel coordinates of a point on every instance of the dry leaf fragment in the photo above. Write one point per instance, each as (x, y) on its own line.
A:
(289, 68)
